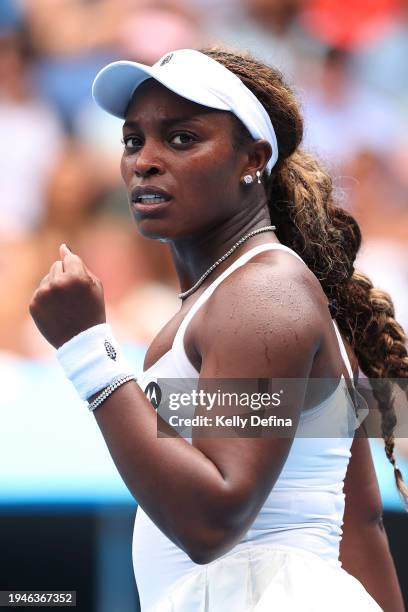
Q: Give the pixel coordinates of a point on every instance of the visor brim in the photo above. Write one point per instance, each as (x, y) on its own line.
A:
(115, 85)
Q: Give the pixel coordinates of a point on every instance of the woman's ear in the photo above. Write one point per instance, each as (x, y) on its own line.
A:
(258, 155)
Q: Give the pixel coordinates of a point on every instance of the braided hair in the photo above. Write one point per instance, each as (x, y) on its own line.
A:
(301, 203)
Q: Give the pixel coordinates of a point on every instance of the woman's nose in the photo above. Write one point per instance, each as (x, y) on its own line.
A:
(147, 162)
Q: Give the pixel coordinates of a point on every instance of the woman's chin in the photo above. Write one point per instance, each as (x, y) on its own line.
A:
(155, 229)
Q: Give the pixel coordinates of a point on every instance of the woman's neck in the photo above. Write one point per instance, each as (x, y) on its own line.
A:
(195, 254)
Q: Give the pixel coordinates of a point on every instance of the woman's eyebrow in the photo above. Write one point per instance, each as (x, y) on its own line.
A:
(165, 122)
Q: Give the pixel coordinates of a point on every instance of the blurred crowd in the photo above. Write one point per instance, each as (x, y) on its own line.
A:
(59, 154)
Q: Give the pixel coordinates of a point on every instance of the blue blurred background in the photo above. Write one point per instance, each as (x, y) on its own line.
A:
(65, 515)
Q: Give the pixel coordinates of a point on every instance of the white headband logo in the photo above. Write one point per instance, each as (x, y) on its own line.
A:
(166, 59)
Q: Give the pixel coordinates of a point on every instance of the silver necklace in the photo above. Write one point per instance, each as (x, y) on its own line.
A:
(202, 278)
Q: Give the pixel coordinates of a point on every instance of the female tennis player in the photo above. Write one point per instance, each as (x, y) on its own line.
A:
(212, 165)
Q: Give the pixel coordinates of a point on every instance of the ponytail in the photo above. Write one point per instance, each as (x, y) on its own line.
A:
(301, 203)
(328, 238)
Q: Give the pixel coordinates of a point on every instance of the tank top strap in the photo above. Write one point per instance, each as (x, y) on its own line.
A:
(179, 337)
(343, 352)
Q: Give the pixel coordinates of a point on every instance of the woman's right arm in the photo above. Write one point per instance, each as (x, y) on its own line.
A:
(205, 495)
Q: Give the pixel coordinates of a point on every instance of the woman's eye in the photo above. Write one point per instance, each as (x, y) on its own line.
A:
(131, 142)
(182, 138)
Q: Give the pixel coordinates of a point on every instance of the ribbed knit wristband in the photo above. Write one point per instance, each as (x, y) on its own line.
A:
(92, 360)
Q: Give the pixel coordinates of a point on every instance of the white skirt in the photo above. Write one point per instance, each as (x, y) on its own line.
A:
(267, 579)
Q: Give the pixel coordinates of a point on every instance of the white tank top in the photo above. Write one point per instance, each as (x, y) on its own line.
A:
(306, 505)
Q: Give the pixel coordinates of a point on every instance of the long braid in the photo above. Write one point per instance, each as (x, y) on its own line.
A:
(301, 202)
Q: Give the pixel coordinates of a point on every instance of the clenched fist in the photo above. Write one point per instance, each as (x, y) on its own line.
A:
(68, 300)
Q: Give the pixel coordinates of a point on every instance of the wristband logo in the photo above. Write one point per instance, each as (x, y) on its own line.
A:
(110, 350)
(153, 394)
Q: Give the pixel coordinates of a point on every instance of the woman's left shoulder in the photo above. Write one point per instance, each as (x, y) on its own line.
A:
(263, 303)
(287, 264)
(272, 281)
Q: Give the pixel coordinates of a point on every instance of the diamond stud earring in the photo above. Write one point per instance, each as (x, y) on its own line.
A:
(248, 179)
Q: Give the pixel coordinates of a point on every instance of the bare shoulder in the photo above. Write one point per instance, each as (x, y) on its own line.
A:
(271, 302)
(271, 278)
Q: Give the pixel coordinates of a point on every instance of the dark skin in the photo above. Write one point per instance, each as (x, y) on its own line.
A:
(364, 550)
(219, 484)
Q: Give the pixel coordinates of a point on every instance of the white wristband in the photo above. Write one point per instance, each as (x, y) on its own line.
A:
(92, 359)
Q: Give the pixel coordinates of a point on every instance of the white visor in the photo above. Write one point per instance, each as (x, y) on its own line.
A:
(191, 75)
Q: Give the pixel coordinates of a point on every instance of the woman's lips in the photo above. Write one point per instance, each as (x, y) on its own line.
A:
(149, 199)
(149, 208)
